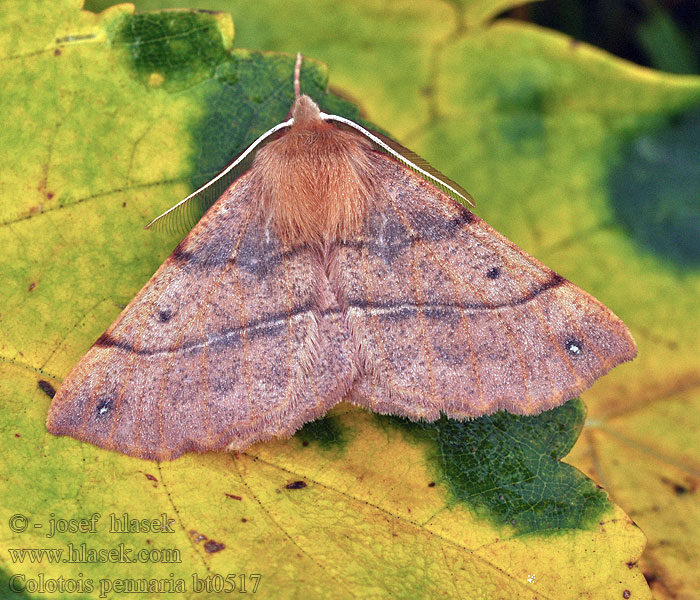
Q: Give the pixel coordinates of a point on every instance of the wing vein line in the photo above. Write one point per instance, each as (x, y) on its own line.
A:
(290, 343)
(375, 330)
(244, 334)
(419, 304)
(202, 317)
(142, 331)
(541, 318)
(458, 282)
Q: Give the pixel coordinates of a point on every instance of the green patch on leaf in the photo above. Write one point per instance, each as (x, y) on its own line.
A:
(521, 101)
(508, 467)
(250, 93)
(16, 583)
(327, 433)
(173, 48)
(655, 190)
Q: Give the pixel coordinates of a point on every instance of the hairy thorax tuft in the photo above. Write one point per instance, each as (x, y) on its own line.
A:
(317, 181)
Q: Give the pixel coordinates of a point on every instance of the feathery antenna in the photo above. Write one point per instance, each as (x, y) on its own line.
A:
(297, 75)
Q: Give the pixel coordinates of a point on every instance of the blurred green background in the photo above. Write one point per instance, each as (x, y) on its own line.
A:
(662, 34)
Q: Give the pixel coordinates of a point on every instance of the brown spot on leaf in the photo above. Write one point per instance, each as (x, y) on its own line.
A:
(151, 477)
(32, 285)
(212, 546)
(17, 435)
(57, 52)
(209, 545)
(680, 489)
(431, 484)
(244, 520)
(197, 537)
(626, 594)
(233, 496)
(47, 388)
(296, 485)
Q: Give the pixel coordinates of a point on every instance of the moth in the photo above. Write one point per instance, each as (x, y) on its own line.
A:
(334, 267)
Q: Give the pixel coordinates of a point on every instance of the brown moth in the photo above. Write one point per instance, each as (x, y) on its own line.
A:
(334, 267)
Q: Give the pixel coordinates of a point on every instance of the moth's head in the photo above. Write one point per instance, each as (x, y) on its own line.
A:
(305, 111)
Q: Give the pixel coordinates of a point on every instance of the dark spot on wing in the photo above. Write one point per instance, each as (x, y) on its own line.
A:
(104, 408)
(493, 273)
(47, 388)
(388, 238)
(211, 253)
(107, 341)
(164, 315)
(574, 346)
